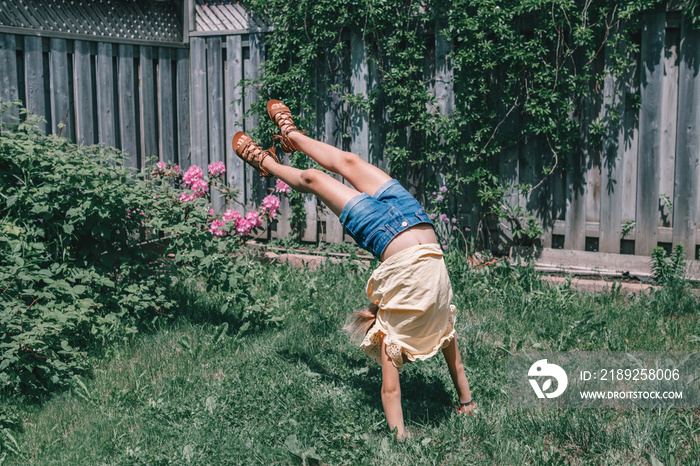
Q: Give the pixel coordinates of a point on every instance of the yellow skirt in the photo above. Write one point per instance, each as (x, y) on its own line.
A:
(416, 317)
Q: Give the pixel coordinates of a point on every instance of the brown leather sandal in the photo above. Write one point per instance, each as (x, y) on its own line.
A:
(252, 153)
(282, 117)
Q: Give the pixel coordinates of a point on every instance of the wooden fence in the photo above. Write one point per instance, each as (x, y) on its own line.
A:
(184, 105)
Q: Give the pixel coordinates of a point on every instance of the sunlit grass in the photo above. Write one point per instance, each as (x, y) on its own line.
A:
(298, 390)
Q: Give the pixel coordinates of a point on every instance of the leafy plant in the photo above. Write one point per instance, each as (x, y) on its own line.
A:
(666, 269)
(535, 63)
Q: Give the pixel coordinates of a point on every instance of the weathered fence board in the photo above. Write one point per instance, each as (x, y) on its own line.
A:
(200, 132)
(216, 107)
(61, 110)
(147, 106)
(84, 116)
(652, 60)
(127, 104)
(166, 106)
(8, 74)
(234, 112)
(183, 108)
(106, 129)
(687, 181)
(34, 76)
(669, 111)
(611, 168)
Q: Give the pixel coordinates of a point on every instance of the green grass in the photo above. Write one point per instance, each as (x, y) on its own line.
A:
(299, 391)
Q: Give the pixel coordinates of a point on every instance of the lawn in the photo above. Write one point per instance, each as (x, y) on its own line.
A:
(202, 389)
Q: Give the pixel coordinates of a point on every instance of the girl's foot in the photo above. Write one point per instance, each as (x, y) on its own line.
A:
(252, 153)
(282, 117)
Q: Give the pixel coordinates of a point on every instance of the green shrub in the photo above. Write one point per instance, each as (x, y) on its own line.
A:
(91, 252)
(71, 276)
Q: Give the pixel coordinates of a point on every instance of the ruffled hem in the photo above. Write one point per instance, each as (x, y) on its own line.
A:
(396, 350)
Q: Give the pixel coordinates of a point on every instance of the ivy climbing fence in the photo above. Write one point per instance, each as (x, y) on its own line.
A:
(182, 104)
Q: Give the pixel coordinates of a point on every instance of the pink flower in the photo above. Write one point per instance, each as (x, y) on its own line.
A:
(217, 168)
(160, 165)
(282, 187)
(187, 196)
(467, 229)
(444, 218)
(271, 205)
(439, 198)
(445, 246)
(211, 212)
(454, 219)
(176, 169)
(199, 185)
(231, 214)
(443, 189)
(192, 175)
(432, 216)
(254, 218)
(243, 226)
(215, 228)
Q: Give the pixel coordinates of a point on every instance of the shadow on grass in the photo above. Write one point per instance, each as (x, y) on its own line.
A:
(425, 399)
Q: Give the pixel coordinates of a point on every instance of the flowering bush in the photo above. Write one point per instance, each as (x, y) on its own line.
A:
(231, 222)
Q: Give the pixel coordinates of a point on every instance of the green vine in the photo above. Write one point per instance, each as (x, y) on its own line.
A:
(521, 69)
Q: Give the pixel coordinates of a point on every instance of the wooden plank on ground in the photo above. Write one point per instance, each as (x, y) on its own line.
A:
(216, 108)
(82, 74)
(106, 128)
(182, 84)
(8, 75)
(585, 262)
(200, 122)
(652, 61)
(235, 169)
(686, 204)
(166, 105)
(127, 105)
(147, 107)
(34, 78)
(61, 111)
(668, 118)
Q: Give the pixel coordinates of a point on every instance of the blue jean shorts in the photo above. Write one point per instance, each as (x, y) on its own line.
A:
(373, 221)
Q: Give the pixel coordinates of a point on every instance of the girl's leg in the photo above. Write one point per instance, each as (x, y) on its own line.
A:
(391, 395)
(364, 176)
(459, 378)
(332, 192)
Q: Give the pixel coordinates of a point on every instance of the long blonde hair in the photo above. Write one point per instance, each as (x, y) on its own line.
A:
(359, 322)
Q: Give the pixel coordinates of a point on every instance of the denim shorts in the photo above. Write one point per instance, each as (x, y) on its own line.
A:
(373, 221)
